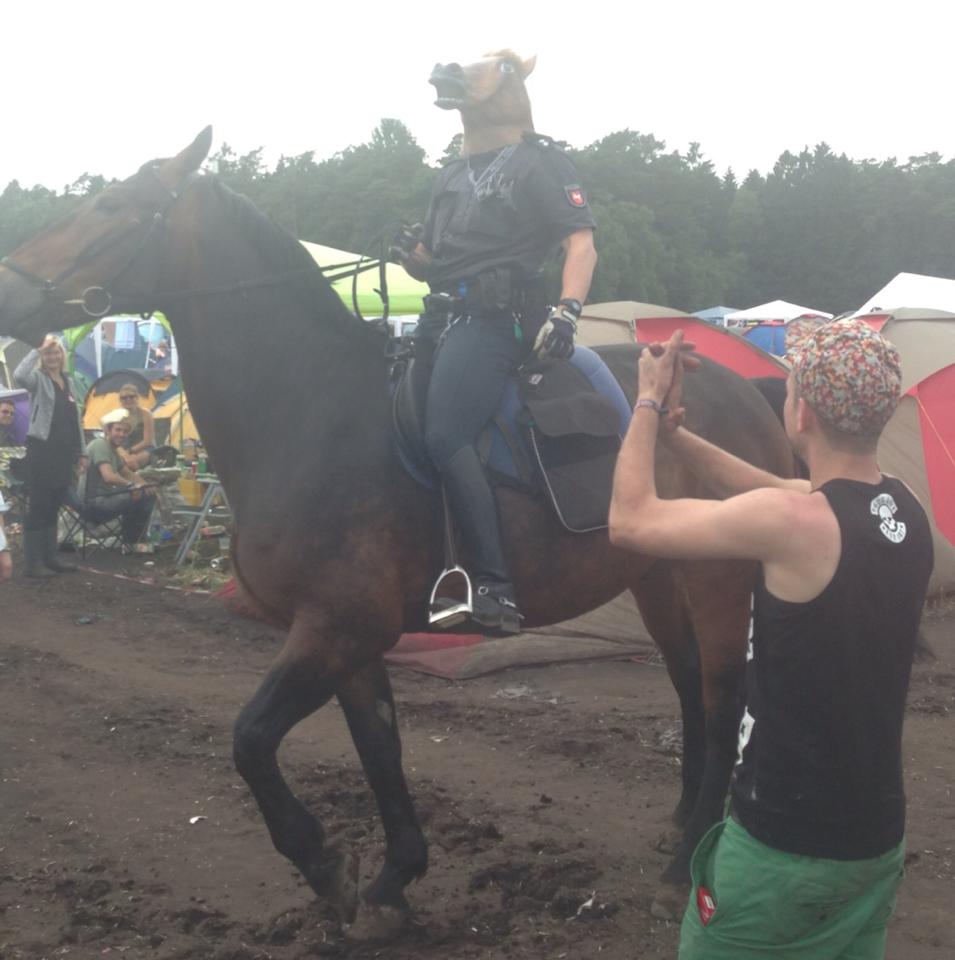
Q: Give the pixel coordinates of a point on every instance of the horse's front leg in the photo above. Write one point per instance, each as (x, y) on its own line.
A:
(661, 600)
(719, 595)
(370, 711)
(307, 673)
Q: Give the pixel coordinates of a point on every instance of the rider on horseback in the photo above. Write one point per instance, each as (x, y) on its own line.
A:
(496, 214)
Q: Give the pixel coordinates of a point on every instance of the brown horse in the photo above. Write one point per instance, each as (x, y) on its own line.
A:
(333, 537)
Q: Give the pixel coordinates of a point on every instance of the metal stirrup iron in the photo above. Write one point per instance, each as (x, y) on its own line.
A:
(455, 612)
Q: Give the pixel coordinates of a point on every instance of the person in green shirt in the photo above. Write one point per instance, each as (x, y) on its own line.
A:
(110, 489)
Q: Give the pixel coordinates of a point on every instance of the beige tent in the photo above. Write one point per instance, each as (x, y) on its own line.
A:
(616, 322)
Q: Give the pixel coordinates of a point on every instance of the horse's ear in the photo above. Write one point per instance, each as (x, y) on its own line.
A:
(528, 65)
(190, 159)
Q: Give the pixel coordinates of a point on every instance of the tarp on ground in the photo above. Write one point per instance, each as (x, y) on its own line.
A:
(404, 292)
(613, 631)
(774, 310)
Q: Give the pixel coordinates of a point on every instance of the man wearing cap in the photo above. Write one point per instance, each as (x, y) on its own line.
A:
(809, 861)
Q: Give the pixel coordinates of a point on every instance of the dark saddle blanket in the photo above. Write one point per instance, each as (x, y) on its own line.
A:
(558, 430)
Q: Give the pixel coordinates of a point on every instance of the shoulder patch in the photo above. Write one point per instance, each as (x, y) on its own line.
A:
(575, 195)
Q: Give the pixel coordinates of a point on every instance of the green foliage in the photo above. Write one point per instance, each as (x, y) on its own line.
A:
(820, 228)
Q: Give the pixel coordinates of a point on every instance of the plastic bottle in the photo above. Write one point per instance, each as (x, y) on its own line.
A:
(155, 534)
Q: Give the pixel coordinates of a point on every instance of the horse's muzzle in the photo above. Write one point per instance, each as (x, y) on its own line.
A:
(448, 81)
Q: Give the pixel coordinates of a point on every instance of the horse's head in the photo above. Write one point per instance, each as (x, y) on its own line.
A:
(491, 96)
(105, 256)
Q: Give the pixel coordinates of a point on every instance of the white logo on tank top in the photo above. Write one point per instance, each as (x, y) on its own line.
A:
(883, 507)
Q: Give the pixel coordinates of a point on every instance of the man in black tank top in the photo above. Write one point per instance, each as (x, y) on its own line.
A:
(810, 860)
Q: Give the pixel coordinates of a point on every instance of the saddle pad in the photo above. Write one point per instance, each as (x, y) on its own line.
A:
(499, 456)
(574, 434)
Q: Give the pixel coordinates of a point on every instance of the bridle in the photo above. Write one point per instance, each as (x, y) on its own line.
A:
(100, 300)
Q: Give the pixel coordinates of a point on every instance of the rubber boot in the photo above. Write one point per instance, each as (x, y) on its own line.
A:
(475, 515)
(34, 547)
(51, 556)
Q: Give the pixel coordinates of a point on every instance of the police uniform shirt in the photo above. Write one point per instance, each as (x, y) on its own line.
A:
(508, 208)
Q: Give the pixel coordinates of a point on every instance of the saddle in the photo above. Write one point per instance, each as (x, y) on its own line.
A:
(557, 432)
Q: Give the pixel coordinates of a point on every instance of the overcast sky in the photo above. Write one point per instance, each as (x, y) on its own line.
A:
(102, 86)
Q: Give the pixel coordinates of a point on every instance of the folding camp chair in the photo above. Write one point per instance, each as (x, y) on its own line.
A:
(86, 534)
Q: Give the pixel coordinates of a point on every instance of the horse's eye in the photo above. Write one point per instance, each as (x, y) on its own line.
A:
(108, 205)
(507, 67)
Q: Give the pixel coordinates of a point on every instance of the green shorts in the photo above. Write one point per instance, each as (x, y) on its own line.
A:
(761, 902)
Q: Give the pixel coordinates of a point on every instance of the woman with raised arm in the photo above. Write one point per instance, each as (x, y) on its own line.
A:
(54, 447)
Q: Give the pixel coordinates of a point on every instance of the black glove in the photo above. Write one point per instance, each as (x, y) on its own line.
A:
(556, 337)
(404, 241)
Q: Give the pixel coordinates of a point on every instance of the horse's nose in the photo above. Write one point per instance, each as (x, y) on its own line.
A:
(447, 71)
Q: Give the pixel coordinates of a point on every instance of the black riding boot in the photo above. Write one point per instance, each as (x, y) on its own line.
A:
(475, 515)
(50, 558)
(34, 548)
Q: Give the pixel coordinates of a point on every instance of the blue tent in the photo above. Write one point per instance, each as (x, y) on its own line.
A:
(770, 337)
(715, 314)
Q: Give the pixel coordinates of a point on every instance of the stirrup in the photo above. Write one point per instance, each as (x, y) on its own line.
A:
(456, 612)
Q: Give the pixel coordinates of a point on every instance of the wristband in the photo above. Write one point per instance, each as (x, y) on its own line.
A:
(651, 405)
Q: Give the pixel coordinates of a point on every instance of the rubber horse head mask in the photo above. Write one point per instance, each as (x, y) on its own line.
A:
(490, 93)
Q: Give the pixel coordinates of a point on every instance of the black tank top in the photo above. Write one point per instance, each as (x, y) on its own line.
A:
(820, 772)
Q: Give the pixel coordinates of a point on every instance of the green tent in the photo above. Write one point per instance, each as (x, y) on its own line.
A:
(404, 292)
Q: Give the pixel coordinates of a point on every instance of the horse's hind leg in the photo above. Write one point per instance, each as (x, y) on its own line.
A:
(662, 602)
(719, 595)
(305, 676)
(369, 708)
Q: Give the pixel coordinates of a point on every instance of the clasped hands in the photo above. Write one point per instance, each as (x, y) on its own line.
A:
(660, 371)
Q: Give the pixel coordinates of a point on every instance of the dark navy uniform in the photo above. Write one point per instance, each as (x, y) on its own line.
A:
(493, 221)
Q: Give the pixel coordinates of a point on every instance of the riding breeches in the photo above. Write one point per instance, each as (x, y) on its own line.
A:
(474, 358)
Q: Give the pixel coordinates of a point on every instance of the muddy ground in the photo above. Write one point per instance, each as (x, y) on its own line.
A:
(538, 789)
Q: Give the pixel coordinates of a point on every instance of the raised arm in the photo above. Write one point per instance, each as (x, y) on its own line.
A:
(27, 371)
(725, 474)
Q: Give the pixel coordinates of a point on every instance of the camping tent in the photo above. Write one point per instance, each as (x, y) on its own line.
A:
(404, 292)
(917, 313)
(715, 315)
(11, 353)
(181, 425)
(103, 395)
(774, 310)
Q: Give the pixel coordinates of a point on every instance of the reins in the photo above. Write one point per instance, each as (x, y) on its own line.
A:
(98, 301)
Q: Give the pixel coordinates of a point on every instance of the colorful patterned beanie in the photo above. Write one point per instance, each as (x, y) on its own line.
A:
(850, 375)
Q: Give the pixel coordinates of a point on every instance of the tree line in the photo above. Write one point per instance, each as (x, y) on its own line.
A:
(820, 229)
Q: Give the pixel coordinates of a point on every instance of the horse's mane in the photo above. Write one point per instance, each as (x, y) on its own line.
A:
(281, 253)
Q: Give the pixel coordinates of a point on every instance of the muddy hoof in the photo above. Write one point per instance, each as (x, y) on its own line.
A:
(670, 900)
(339, 883)
(377, 922)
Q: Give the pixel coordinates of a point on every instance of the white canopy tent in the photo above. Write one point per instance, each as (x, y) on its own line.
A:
(912, 291)
(774, 310)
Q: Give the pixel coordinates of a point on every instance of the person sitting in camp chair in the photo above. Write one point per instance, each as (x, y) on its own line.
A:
(138, 449)
(109, 488)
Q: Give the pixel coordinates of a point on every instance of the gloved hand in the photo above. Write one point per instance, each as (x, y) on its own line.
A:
(556, 337)
(404, 242)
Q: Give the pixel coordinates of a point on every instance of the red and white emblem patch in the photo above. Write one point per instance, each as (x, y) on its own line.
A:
(575, 195)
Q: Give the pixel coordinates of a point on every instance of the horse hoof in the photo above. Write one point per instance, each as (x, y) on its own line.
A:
(670, 901)
(377, 922)
(338, 885)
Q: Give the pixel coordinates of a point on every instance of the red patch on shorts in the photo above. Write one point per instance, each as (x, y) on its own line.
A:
(706, 904)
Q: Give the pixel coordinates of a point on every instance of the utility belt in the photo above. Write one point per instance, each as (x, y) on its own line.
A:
(494, 291)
